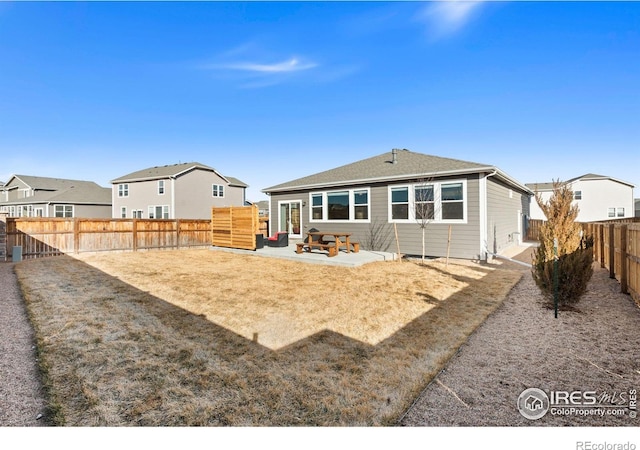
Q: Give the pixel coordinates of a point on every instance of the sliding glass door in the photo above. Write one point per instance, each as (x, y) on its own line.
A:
(289, 218)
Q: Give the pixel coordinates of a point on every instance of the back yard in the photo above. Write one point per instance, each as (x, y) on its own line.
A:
(201, 337)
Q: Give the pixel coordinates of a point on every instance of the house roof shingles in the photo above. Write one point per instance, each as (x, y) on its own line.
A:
(60, 190)
(159, 172)
(379, 168)
(588, 176)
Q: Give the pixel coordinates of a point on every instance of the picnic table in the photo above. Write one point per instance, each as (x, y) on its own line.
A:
(331, 241)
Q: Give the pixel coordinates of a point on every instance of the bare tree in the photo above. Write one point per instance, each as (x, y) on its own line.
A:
(424, 208)
(378, 237)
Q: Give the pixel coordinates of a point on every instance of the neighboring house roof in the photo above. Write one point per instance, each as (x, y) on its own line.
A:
(173, 171)
(59, 190)
(407, 165)
(585, 177)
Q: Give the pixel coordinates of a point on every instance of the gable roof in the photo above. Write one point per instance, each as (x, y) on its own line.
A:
(61, 190)
(408, 165)
(173, 171)
(586, 177)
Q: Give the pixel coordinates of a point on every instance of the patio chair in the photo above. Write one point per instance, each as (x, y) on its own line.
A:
(280, 239)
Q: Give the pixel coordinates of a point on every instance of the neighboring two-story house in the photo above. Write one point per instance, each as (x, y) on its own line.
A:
(31, 196)
(598, 198)
(182, 191)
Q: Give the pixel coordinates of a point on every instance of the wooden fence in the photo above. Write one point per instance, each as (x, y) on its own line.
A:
(53, 236)
(235, 227)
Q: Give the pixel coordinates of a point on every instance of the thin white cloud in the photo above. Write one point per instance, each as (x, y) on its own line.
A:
(290, 65)
(444, 18)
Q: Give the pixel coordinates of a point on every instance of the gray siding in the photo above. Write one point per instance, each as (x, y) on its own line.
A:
(465, 238)
(505, 210)
(192, 199)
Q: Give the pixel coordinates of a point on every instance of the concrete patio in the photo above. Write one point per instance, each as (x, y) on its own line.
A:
(316, 256)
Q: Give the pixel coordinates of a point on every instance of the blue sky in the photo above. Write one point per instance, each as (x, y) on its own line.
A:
(269, 92)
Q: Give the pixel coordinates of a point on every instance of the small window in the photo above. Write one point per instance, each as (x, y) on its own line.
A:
(424, 202)
(620, 212)
(452, 202)
(400, 203)
(160, 187)
(136, 214)
(217, 190)
(611, 212)
(123, 212)
(361, 205)
(123, 190)
(577, 195)
(316, 206)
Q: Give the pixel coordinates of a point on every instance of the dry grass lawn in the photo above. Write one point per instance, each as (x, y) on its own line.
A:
(200, 337)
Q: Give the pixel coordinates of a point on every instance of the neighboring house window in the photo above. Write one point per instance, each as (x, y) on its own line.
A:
(349, 205)
(24, 193)
(63, 211)
(159, 212)
(620, 212)
(577, 195)
(123, 212)
(437, 201)
(400, 203)
(218, 190)
(123, 190)
(160, 187)
(136, 214)
(39, 212)
(611, 212)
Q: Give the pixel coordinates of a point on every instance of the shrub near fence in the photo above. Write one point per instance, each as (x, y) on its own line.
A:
(53, 236)
(616, 246)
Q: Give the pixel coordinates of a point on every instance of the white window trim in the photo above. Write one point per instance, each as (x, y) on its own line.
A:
(151, 210)
(220, 186)
(352, 210)
(437, 188)
(123, 212)
(121, 190)
(161, 187)
(64, 207)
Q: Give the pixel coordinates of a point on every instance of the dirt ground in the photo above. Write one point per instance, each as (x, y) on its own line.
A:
(521, 345)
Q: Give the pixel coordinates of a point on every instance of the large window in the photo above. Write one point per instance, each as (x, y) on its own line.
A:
(436, 201)
(159, 212)
(63, 211)
(123, 190)
(348, 205)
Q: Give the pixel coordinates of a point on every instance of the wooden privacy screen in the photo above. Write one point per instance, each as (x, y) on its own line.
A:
(235, 227)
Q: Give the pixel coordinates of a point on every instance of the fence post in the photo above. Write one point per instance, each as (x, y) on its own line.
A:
(134, 235)
(3, 236)
(612, 251)
(177, 224)
(601, 232)
(623, 260)
(76, 236)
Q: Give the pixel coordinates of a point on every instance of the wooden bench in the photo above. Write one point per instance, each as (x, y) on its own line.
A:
(333, 251)
(356, 246)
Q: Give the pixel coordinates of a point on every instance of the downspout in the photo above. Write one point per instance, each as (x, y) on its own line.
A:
(484, 216)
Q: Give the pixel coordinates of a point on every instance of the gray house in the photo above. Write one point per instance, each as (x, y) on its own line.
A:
(31, 196)
(485, 208)
(178, 191)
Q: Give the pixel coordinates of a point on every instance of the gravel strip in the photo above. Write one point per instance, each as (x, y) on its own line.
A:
(521, 345)
(21, 395)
